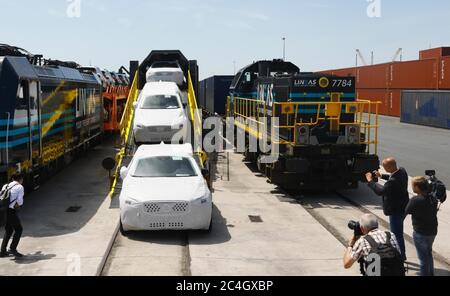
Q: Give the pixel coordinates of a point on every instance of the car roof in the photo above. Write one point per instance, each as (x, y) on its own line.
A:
(160, 88)
(184, 150)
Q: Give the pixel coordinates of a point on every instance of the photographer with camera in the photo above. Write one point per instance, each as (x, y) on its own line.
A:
(424, 208)
(395, 196)
(369, 243)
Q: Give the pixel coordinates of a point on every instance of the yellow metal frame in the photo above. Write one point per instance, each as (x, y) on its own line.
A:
(126, 125)
(247, 112)
(196, 121)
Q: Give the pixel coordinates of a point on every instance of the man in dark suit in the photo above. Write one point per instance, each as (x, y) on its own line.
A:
(395, 196)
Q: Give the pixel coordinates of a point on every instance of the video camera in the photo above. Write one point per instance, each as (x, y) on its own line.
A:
(356, 227)
(436, 188)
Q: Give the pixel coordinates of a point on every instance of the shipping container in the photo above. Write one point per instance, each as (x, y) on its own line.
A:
(216, 93)
(434, 53)
(390, 100)
(444, 73)
(375, 76)
(430, 108)
(341, 72)
(421, 74)
(375, 95)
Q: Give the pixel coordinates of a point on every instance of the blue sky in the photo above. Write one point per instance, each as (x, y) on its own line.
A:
(321, 34)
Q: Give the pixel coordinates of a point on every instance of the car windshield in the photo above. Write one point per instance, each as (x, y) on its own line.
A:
(165, 65)
(164, 167)
(160, 102)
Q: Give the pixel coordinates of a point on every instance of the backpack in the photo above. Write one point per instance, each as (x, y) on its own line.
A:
(392, 263)
(5, 201)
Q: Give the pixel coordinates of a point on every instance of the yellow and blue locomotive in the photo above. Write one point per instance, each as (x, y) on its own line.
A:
(49, 111)
(325, 137)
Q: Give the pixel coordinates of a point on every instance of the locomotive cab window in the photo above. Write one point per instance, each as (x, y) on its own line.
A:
(22, 96)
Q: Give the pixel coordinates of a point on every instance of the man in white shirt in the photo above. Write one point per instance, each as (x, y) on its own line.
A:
(13, 225)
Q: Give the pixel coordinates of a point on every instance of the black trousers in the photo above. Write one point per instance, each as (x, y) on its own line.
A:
(13, 226)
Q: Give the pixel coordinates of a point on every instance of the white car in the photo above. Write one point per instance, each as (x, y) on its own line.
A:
(160, 115)
(164, 189)
(166, 71)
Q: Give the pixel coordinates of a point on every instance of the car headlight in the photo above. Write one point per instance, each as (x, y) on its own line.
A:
(204, 200)
(131, 201)
(179, 124)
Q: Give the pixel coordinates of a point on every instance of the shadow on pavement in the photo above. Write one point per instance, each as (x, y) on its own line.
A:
(33, 258)
(81, 186)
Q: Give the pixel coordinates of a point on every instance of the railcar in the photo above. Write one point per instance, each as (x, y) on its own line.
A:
(319, 135)
(48, 113)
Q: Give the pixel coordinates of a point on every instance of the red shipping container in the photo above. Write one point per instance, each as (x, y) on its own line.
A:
(421, 74)
(375, 95)
(434, 53)
(390, 100)
(371, 77)
(444, 73)
(394, 99)
(341, 72)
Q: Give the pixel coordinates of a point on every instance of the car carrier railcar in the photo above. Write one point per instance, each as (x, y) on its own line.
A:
(47, 114)
(327, 139)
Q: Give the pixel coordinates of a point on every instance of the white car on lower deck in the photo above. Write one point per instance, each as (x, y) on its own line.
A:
(160, 115)
(164, 189)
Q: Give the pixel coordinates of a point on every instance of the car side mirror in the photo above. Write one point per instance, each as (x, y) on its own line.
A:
(123, 173)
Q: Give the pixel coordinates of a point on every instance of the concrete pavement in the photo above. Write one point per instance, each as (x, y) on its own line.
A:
(57, 242)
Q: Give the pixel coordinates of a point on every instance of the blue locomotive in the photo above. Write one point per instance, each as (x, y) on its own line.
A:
(326, 138)
(49, 111)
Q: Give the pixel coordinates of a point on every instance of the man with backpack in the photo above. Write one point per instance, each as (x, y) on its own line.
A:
(377, 251)
(12, 195)
(424, 208)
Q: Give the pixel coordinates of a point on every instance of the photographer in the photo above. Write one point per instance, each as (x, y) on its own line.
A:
(369, 240)
(424, 209)
(395, 196)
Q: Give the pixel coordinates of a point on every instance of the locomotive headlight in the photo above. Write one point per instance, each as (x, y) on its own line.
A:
(302, 135)
(352, 134)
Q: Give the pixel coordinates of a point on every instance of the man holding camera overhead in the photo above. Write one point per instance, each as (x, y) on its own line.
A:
(395, 196)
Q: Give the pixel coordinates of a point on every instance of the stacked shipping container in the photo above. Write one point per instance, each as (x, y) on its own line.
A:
(431, 108)
(385, 82)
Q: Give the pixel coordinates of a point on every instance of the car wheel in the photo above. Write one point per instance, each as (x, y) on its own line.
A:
(122, 231)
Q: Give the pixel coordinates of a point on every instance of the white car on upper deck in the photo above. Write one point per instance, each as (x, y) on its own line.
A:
(160, 115)
(168, 72)
(164, 189)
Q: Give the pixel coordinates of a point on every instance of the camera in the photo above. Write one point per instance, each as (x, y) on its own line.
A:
(375, 177)
(436, 188)
(356, 227)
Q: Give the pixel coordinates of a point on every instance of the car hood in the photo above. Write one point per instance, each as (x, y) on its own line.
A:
(149, 117)
(164, 189)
